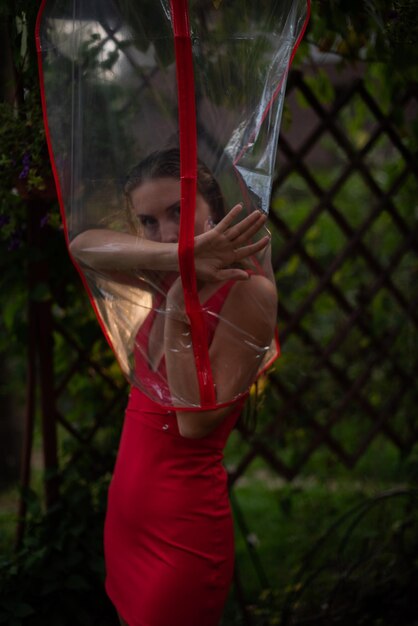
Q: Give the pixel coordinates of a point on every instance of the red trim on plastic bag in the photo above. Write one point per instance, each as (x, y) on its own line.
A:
(279, 86)
(57, 181)
(188, 181)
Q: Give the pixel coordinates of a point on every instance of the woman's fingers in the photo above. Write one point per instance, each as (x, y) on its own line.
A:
(246, 235)
(229, 218)
(245, 251)
(246, 228)
(232, 274)
(228, 243)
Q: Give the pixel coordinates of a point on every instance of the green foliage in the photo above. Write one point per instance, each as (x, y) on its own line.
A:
(375, 30)
(57, 576)
(24, 170)
(25, 174)
(332, 551)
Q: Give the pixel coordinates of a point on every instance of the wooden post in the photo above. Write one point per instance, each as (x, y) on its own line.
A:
(40, 364)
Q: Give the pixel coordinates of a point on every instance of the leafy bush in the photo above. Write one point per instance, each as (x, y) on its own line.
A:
(57, 576)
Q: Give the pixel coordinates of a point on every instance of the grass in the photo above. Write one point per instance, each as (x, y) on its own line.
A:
(284, 521)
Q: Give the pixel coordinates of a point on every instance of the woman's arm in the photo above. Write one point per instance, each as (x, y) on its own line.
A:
(243, 334)
(103, 249)
(215, 250)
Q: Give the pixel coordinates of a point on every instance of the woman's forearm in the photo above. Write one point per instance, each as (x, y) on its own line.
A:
(109, 250)
(182, 377)
(179, 359)
(216, 251)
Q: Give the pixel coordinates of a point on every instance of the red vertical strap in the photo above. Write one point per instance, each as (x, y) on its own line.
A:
(188, 181)
(56, 177)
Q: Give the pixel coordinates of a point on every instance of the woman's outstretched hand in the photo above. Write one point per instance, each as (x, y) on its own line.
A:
(220, 247)
(216, 250)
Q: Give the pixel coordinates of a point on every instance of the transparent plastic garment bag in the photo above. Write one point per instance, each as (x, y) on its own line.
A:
(161, 116)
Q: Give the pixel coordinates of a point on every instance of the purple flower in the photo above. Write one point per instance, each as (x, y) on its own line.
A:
(44, 220)
(14, 244)
(26, 166)
(15, 240)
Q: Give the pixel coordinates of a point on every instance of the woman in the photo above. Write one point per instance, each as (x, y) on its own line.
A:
(168, 530)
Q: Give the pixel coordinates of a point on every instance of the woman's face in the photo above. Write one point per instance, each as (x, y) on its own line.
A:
(155, 207)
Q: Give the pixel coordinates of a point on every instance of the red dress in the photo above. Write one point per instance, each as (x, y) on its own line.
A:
(168, 536)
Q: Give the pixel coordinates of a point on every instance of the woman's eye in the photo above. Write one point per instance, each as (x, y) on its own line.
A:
(147, 221)
(175, 212)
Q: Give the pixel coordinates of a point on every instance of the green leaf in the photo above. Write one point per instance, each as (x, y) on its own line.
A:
(322, 86)
(23, 610)
(76, 581)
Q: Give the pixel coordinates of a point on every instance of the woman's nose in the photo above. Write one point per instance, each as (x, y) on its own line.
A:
(169, 232)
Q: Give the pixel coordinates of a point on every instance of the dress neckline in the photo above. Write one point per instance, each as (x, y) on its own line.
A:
(218, 294)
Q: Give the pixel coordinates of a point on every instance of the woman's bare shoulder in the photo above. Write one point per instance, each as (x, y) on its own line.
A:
(257, 288)
(252, 305)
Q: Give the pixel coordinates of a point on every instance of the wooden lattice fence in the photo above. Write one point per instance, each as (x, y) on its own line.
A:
(347, 313)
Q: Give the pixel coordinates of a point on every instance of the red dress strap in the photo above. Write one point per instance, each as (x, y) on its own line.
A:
(156, 380)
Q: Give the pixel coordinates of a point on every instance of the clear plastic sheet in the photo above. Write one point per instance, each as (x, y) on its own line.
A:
(115, 82)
